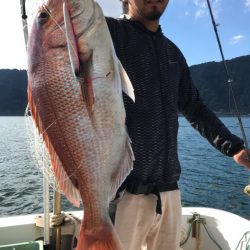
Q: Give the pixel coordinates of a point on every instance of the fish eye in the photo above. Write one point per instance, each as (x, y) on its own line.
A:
(43, 17)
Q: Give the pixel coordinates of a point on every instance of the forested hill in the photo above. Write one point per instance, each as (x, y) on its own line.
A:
(209, 78)
(13, 92)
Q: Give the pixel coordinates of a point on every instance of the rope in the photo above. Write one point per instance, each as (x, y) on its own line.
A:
(188, 233)
(245, 238)
(242, 240)
(76, 228)
(57, 219)
(210, 236)
(197, 220)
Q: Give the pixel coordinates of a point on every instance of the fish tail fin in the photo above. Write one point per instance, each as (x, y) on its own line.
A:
(104, 238)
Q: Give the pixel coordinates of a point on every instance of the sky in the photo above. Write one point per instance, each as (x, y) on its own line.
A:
(186, 22)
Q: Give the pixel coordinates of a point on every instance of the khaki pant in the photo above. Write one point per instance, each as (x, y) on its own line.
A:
(140, 228)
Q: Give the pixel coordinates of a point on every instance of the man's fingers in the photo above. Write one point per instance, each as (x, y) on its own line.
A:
(242, 158)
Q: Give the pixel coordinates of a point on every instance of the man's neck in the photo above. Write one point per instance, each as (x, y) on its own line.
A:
(150, 25)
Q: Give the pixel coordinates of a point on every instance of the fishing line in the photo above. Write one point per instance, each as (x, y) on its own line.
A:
(41, 156)
(230, 84)
(35, 138)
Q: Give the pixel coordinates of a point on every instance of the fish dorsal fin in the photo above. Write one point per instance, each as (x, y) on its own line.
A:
(126, 165)
(127, 86)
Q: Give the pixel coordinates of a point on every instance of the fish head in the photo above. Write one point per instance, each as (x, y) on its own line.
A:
(48, 37)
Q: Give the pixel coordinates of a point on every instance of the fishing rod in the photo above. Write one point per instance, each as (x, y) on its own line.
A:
(230, 84)
(24, 20)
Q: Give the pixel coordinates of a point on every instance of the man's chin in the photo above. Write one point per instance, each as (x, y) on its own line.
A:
(153, 16)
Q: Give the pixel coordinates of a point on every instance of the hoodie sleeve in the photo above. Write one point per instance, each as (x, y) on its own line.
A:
(203, 119)
(113, 26)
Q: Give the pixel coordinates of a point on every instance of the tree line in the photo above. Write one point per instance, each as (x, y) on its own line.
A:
(210, 79)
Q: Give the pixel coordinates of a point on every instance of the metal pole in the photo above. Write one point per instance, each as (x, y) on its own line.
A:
(46, 211)
(56, 232)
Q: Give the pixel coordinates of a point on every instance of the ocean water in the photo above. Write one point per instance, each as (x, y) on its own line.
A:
(208, 178)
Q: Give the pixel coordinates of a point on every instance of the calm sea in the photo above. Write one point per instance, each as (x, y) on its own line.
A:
(208, 178)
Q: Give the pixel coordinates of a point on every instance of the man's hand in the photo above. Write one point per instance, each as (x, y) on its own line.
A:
(242, 158)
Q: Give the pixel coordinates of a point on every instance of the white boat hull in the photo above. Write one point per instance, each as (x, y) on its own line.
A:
(211, 229)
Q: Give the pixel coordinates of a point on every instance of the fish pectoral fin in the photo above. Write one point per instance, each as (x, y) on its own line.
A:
(71, 41)
(127, 86)
(126, 165)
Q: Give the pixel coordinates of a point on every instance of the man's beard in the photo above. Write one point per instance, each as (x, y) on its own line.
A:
(153, 15)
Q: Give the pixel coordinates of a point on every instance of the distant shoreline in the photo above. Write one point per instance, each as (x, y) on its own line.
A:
(180, 115)
(224, 115)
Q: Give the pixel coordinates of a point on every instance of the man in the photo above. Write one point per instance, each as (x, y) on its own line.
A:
(149, 211)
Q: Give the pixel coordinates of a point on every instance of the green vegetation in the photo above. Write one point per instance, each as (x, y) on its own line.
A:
(13, 92)
(210, 79)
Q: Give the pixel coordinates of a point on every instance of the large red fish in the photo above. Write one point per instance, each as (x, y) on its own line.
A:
(75, 96)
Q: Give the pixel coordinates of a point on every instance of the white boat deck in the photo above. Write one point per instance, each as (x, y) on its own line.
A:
(214, 229)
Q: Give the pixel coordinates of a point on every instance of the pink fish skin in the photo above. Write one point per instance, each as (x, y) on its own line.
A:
(75, 97)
